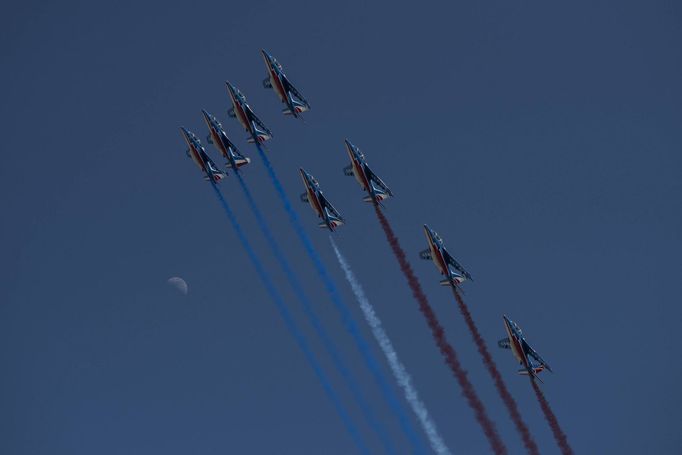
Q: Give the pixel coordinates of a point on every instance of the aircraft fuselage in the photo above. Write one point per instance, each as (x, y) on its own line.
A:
(437, 255)
(516, 346)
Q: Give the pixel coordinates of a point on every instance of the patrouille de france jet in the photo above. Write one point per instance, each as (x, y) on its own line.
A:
(446, 264)
(322, 207)
(219, 138)
(530, 360)
(286, 92)
(196, 151)
(243, 112)
(368, 180)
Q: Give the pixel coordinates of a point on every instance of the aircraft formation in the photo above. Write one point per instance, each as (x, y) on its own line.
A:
(377, 191)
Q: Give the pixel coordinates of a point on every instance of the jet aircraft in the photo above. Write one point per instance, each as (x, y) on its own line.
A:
(243, 112)
(531, 362)
(443, 260)
(218, 137)
(368, 180)
(286, 92)
(198, 154)
(321, 206)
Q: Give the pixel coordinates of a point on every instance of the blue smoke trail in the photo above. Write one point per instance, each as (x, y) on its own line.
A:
(314, 320)
(351, 327)
(291, 325)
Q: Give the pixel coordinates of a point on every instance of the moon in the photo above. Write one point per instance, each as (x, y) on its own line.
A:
(179, 284)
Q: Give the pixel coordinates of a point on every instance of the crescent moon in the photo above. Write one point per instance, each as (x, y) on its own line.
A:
(179, 284)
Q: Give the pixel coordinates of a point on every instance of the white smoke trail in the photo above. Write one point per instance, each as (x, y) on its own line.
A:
(398, 369)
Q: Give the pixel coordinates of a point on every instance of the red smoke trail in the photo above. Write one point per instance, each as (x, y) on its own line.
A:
(508, 400)
(438, 333)
(559, 435)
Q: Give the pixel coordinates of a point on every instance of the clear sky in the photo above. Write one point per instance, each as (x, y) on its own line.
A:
(541, 140)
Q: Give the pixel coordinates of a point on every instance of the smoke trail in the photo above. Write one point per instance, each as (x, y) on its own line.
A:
(351, 327)
(399, 371)
(314, 320)
(501, 387)
(291, 325)
(559, 435)
(438, 333)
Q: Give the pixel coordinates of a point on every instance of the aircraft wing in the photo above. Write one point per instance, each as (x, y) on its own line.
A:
(450, 260)
(239, 155)
(212, 170)
(380, 183)
(229, 144)
(290, 88)
(536, 356)
(259, 123)
(326, 204)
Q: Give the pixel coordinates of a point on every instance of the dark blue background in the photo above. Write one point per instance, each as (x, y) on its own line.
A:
(541, 140)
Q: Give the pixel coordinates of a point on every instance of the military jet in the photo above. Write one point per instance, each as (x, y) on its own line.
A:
(287, 93)
(443, 260)
(218, 137)
(198, 154)
(530, 360)
(368, 180)
(322, 207)
(243, 112)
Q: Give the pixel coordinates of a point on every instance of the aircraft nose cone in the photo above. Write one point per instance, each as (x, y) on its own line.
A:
(304, 176)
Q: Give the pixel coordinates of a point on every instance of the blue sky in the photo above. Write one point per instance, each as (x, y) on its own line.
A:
(542, 142)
